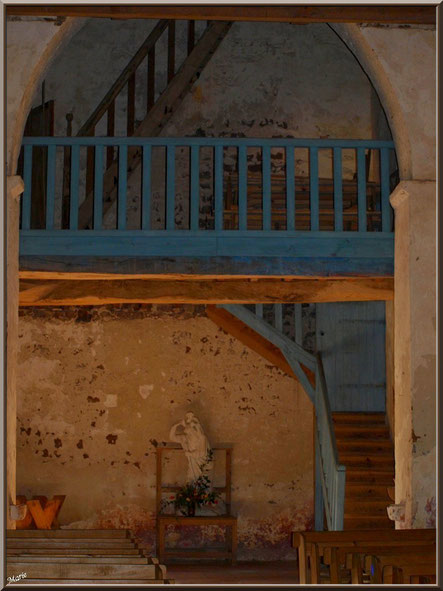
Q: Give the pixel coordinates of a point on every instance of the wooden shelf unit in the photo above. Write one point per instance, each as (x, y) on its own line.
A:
(226, 520)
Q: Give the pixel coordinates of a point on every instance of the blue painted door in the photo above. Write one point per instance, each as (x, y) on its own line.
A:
(351, 340)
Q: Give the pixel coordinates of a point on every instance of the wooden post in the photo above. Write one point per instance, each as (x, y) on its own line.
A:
(151, 80)
(191, 36)
(130, 123)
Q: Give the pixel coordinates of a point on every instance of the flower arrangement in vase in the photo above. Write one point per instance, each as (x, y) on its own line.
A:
(197, 493)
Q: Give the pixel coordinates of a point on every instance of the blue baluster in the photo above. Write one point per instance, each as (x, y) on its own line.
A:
(73, 199)
(266, 163)
(195, 187)
(98, 187)
(361, 189)
(27, 178)
(338, 191)
(290, 189)
(146, 187)
(384, 182)
(242, 188)
(170, 187)
(122, 186)
(313, 178)
(218, 187)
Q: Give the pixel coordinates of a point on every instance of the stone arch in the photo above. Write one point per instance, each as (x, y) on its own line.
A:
(18, 112)
(349, 33)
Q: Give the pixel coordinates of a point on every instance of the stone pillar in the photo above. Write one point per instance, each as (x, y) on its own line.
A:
(415, 352)
(14, 190)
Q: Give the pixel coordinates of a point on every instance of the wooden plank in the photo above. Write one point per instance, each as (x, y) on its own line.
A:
(83, 571)
(44, 517)
(350, 245)
(68, 533)
(387, 14)
(78, 559)
(97, 292)
(66, 551)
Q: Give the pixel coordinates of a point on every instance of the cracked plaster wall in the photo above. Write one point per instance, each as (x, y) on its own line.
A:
(97, 387)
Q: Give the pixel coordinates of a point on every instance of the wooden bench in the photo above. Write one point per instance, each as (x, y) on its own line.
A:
(328, 547)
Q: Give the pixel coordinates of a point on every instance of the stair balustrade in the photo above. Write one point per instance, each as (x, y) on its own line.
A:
(330, 474)
(181, 201)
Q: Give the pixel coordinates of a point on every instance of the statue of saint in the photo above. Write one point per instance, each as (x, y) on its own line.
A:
(189, 433)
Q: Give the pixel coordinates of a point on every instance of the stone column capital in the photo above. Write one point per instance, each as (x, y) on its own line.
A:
(14, 186)
(404, 189)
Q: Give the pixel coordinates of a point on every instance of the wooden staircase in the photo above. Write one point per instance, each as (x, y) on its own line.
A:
(158, 110)
(365, 448)
(74, 556)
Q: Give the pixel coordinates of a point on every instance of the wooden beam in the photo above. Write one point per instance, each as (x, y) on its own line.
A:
(87, 290)
(301, 14)
(253, 340)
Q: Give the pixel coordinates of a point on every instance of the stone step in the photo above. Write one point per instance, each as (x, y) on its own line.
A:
(68, 533)
(54, 570)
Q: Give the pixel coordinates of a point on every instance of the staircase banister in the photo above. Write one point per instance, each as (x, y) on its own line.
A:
(273, 335)
(322, 391)
(118, 85)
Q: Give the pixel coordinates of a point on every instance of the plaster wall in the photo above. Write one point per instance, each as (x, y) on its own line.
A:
(264, 80)
(99, 386)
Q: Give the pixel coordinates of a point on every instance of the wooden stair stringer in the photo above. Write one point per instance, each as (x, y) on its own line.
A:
(160, 113)
(254, 341)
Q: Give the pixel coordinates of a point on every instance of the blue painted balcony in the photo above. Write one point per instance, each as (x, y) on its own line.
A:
(210, 205)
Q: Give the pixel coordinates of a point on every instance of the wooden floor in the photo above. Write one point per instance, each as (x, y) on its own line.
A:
(278, 573)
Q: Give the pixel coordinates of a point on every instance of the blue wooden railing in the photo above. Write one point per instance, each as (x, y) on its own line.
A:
(214, 237)
(330, 474)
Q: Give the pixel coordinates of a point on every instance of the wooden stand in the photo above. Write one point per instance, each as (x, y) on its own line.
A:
(227, 520)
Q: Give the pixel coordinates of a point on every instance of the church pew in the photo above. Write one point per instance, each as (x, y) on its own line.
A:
(311, 545)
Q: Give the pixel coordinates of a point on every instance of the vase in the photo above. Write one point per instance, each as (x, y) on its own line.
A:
(189, 510)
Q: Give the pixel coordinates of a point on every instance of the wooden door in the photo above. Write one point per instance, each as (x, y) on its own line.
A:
(351, 340)
(40, 122)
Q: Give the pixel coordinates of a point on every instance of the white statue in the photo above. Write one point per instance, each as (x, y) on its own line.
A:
(189, 433)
